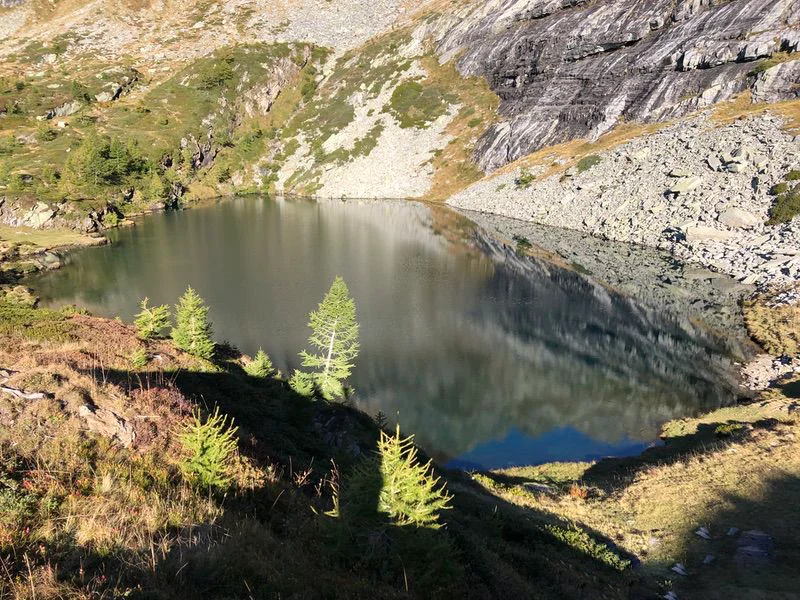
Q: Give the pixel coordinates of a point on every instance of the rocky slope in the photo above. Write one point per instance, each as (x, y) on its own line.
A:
(568, 69)
(697, 189)
(166, 31)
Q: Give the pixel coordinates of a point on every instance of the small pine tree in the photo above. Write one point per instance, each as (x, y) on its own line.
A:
(260, 366)
(335, 340)
(192, 331)
(410, 495)
(210, 445)
(139, 358)
(151, 321)
(302, 383)
(408, 492)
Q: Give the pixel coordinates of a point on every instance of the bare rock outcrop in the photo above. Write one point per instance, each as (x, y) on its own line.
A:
(566, 69)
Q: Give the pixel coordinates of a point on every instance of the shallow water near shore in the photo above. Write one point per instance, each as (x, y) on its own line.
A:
(492, 359)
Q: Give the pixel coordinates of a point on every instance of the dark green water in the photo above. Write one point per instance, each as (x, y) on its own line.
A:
(491, 360)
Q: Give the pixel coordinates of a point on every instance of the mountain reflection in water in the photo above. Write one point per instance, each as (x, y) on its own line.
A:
(488, 357)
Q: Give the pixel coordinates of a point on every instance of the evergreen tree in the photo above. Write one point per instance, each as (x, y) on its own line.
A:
(151, 321)
(410, 495)
(407, 491)
(260, 366)
(302, 383)
(210, 445)
(334, 341)
(192, 331)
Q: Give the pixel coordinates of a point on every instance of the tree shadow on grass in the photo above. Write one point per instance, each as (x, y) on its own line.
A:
(269, 541)
(760, 556)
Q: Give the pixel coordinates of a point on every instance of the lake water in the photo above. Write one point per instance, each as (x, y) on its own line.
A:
(490, 359)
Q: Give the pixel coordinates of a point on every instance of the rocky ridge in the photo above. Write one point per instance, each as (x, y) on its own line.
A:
(101, 29)
(696, 189)
(572, 69)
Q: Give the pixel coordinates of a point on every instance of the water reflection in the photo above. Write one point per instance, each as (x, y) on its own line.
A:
(474, 350)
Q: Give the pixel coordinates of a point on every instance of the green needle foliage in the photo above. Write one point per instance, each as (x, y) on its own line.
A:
(260, 366)
(211, 446)
(302, 383)
(334, 341)
(410, 495)
(151, 321)
(407, 491)
(192, 332)
(139, 358)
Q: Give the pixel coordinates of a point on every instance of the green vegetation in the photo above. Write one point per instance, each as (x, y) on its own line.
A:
(410, 494)
(335, 341)
(587, 162)
(524, 245)
(773, 61)
(415, 105)
(34, 324)
(192, 331)
(787, 199)
(144, 147)
(210, 444)
(260, 367)
(101, 161)
(151, 321)
(525, 178)
(576, 538)
(139, 359)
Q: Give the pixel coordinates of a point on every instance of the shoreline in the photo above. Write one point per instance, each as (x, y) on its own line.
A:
(671, 190)
(757, 363)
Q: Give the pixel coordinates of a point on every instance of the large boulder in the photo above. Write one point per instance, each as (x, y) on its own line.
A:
(686, 184)
(737, 218)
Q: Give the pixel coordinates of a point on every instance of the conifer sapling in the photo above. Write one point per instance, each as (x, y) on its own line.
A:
(260, 366)
(151, 321)
(334, 341)
(192, 331)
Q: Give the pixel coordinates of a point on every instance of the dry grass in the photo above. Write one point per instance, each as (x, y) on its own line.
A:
(651, 506)
(742, 106)
(454, 168)
(775, 328)
(556, 159)
(46, 238)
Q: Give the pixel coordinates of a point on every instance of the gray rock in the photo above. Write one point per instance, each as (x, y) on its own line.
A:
(697, 233)
(108, 424)
(714, 163)
(754, 548)
(580, 46)
(40, 214)
(737, 218)
(686, 184)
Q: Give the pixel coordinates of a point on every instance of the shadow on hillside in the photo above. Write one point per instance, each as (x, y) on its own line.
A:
(613, 474)
(269, 541)
(757, 559)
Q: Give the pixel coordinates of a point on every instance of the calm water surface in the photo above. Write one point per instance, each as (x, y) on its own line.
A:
(491, 360)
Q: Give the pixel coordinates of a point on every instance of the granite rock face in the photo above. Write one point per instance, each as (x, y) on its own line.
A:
(566, 69)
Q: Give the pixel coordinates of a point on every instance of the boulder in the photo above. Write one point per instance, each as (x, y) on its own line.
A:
(699, 233)
(755, 548)
(108, 424)
(714, 163)
(40, 214)
(737, 218)
(686, 184)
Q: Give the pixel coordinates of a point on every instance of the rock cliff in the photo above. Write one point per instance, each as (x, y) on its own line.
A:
(576, 68)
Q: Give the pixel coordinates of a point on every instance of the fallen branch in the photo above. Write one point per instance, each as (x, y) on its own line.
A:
(20, 394)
